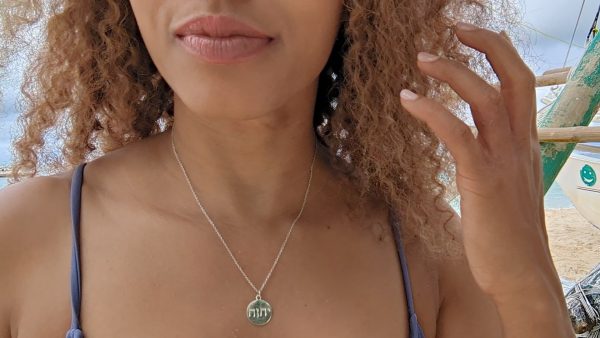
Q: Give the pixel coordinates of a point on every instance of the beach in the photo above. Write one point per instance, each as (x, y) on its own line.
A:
(574, 242)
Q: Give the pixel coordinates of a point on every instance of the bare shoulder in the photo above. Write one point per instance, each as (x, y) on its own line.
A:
(465, 311)
(28, 207)
(28, 211)
(33, 218)
(35, 212)
(36, 235)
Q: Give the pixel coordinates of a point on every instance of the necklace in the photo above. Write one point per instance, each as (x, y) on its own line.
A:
(258, 311)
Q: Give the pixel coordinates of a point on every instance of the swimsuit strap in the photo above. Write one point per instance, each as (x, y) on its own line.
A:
(76, 184)
(415, 328)
(75, 203)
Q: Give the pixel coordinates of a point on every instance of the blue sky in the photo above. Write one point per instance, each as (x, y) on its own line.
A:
(547, 26)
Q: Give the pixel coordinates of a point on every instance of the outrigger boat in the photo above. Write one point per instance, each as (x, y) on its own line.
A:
(580, 179)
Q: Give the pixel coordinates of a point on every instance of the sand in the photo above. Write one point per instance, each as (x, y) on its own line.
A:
(574, 242)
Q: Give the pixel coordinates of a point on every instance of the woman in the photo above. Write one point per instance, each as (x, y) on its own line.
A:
(250, 165)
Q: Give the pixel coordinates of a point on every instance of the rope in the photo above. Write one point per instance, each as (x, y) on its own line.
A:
(591, 312)
(529, 26)
(594, 28)
(574, 31)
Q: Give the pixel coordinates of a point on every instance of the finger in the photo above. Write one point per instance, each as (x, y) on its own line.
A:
(517, 80)
(505, 36)
(533, 121)
(450, 129)
(538, 175)
(487, 106)
(534, 114)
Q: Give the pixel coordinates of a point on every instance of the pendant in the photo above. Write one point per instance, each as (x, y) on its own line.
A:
(259, 311)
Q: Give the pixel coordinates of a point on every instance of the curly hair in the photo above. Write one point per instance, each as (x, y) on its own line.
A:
(92, 81)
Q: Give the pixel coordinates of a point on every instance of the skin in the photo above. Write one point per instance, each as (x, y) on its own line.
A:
(500, 183)
(152, 265)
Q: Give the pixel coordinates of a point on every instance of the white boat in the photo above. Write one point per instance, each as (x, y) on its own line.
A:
(580, 179)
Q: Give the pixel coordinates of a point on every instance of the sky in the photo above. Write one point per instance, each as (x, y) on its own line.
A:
(547, 27)
(556, 18)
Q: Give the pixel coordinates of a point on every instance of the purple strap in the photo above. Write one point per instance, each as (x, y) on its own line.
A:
(76, 183)
(415, 328)
(75, 330)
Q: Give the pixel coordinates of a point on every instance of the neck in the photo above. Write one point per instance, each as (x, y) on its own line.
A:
(250, 172)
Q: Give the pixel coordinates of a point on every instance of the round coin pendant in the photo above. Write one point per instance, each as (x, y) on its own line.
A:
(259, 311)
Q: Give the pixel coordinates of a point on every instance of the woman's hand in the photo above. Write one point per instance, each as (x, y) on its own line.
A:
(500, 183)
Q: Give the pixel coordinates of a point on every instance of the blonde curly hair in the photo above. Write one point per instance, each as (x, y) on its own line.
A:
(93, 83)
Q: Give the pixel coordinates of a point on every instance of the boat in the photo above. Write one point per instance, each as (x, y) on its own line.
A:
(579, 178)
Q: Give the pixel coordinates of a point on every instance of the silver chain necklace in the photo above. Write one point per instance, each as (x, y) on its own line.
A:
(258, 311)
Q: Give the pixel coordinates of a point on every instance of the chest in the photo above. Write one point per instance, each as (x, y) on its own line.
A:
(149, 280)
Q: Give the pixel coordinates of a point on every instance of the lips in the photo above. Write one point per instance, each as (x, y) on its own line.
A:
(219, 27)
(221, 39)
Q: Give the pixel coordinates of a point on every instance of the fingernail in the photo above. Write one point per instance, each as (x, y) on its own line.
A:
(426, 57)
(408, 95)
(466, 26)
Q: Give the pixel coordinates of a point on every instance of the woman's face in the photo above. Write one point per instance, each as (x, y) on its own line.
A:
(281, 72)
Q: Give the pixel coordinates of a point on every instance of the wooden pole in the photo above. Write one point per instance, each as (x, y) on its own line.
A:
(569, 135)
(565, 135)
(576, 105)
(551, 79)
(557, 70)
